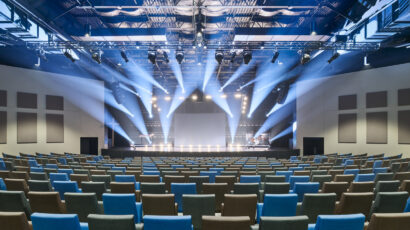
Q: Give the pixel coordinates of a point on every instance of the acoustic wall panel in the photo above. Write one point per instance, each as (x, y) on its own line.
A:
(404, 126)
(3, 98)
(54, 102)
(26, 128)
(347, 128)
(376, 128)
(403, 97)
(55, 128)
(27, 100)
(3, 127)
(347, 102)
(376, 99)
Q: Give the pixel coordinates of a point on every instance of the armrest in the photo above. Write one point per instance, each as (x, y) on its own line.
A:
(84, 226)
(101, 207)
(298, 209)
(138, 195)
(138, 206)
(261, 195)
(176, 208)
(311, 226)
(259, 207)
(222, 209)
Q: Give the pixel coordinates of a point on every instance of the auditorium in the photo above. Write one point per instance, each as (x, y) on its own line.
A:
(204, 115)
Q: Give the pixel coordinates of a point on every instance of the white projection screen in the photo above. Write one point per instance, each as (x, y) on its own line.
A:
(199, 129)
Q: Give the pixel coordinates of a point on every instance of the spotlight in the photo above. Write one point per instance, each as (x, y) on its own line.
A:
(152, 56)
(334, 57)
(69, 56)
(275, 57)
(124, 56)
(166, 57)
(247, 56)
(305, 58)
(219, 56)
(96, 56)
(233, 56)
(179, 55)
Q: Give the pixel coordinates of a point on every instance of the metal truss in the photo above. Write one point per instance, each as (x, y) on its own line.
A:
(280, 45)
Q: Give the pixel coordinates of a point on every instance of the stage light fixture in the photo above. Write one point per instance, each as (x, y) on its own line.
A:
(124, 56)
(69, 56)
(275, 57)
(166, 57)
(334, 57)
(305, 58)
(152, 56)
(247, 56)
(96, 56)
(233, 56)
(179, 55)
(219, 56)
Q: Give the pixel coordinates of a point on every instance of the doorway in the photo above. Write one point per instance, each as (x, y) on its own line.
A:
(313, 146)
(89, 145)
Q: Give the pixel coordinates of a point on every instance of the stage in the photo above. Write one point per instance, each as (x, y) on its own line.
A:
(129, 152)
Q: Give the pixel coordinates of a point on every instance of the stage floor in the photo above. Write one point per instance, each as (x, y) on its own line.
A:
(131, 152)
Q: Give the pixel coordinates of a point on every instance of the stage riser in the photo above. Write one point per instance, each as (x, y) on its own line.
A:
(113, 153)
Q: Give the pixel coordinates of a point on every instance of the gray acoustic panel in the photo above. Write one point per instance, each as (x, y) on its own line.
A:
(55, 128)
(27, 100)
(347, 102)
(3, 98)
(376, 99)
(403, 97)
(3, 127)
(54, 102)
(26, 128)
(404, 126)
(347, 128)
(376, 128)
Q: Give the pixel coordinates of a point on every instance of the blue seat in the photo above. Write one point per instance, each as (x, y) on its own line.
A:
(62, 161)
(365, 177)
(179, 189)
(36, 169)
(65, 186)
(352, 171)
(339, 222)
(167, 223)
(296, 179)
(407, 209)
(219, 170)
(278, 205)
(153, 173)
(51, 166)
(68, 171)
(211, 175)
(249, 166)
(2, 184)
(58, 177)
(122, 204)
(250, 179)
(293, 169)
(294, 158)
(349, 162)
(380, 170)
(122, 169)
(127, 178)
(301, 188)
(32, 163)
(287, 174)
(177, 166)
(43, 221)
(109, 165)
(378, 164)
(3, 165)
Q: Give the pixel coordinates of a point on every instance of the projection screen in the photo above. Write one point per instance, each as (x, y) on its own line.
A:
(199, 129)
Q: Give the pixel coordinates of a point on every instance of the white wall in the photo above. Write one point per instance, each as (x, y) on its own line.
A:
(317, 108)
(83, 108)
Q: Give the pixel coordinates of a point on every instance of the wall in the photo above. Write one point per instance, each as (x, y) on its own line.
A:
(83, 108)
(317, 108)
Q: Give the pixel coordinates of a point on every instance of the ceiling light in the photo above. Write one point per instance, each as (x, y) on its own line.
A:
(167, 98)
(179, 55)
(181, 98)
(154, 98)
(124, 56)
(152, 56)
(194, 97)
(208, 97)
(223, 96)
(275, 57)
(219, 56)
(334, 57)
(238, 95)
(247, 56)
